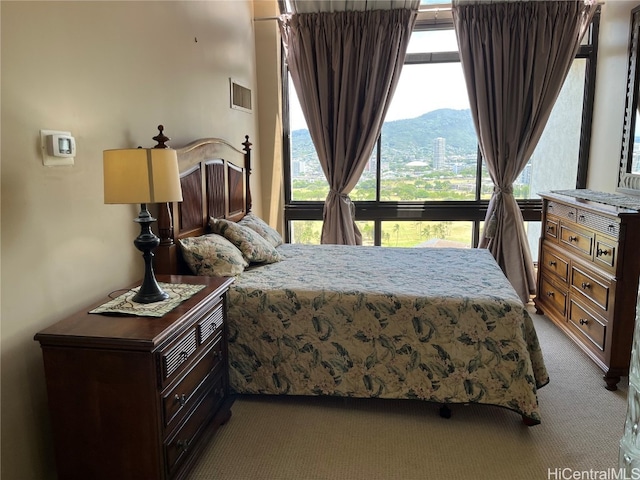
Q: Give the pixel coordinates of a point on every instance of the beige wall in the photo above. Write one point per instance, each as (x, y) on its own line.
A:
(109, 72)
(269, 69)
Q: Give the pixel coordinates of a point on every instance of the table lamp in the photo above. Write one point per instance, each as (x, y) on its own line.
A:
(144, 176)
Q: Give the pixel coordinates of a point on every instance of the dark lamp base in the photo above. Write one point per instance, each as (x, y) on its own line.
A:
(150, 291)
(150, 294)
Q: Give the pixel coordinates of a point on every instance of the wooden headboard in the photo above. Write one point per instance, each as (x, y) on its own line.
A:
(215, 183)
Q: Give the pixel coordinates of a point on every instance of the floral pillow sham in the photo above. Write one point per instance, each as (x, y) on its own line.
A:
(263, 229)
(212, 255)
(254, 248)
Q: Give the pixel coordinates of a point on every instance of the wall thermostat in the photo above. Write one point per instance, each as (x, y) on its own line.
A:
(58, 148)
(60, 145)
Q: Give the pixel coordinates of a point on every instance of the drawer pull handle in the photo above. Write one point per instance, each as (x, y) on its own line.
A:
(600, 252)
(550, 293)
(584, 321)
(581, 218)
(585, 285)
(611, 228)
(550, 228)
(572, 238)
(183, 356)
(181, 399)
(552, 263)
(183, 445)
(219, 392)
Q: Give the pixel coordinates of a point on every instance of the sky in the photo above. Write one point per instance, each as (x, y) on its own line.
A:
(422, 88)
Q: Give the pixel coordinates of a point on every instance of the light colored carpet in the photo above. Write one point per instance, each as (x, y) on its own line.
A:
(281, 438)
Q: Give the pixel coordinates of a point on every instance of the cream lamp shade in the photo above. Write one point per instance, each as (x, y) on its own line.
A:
(141, 175)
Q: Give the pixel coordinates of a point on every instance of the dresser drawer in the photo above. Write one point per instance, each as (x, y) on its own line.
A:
(552, 263)
(179, 445)
(594, 287)
(177, 401)
(553, 296)
(577, 240)
(605, 254)
(600, 223)
(563, 211)
(551, 228)
(212, 324)
(587, 324)
(178, 353)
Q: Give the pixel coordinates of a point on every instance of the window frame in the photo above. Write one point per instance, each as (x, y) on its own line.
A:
(458, 210)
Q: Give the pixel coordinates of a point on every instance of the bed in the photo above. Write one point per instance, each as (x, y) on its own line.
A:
(440, 325)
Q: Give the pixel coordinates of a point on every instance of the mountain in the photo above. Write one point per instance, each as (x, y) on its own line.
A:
(414, 138)
(455, 126)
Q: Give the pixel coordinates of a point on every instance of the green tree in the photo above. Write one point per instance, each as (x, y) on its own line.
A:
(396, 230)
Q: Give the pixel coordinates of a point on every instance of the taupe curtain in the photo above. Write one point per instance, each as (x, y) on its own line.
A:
(515, 57)
(345, 66)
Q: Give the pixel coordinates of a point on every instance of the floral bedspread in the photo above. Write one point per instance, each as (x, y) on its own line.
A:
(437, 324)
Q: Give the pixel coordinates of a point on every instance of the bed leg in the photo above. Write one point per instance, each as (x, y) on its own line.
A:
(445, 411)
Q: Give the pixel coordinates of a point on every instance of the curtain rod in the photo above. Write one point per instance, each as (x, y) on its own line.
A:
(443, 9)
(436, 10)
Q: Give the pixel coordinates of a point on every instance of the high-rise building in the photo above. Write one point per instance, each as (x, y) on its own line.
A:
(525, 175)
(296, 168)
(439, 156)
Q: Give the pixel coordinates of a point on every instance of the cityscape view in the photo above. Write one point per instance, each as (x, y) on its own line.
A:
(430, 157)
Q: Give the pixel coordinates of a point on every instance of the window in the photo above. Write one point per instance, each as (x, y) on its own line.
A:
(429, 149)
(425, 183)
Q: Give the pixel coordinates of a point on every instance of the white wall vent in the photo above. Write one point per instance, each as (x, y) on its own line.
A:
(240, 96)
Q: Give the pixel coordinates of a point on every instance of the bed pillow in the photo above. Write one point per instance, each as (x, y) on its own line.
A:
(212, 255)
(254, 248)
(263, 229)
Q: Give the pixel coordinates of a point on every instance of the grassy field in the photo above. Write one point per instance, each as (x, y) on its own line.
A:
(412, 233)
(394, 233)
(407, 189)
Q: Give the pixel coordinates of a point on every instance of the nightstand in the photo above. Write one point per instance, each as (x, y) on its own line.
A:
(137, 397)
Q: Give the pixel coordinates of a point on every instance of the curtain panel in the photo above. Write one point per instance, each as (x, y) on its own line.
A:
(345, 67)
(515, 57)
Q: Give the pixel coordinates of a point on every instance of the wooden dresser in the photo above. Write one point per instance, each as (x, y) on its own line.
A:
(588, 269)
(136, 397)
